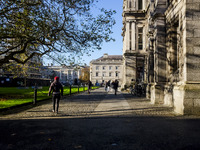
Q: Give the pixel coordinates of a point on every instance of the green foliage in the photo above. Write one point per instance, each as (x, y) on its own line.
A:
(85, 75)
(51, 27)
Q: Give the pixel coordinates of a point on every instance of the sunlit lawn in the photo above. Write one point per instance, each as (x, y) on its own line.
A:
(13, 96)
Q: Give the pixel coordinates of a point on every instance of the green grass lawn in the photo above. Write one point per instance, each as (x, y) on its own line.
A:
(13, 96)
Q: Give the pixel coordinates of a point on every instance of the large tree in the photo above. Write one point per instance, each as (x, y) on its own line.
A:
(51, 27)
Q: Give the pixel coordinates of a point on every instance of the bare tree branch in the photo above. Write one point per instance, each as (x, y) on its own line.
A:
(41, 27)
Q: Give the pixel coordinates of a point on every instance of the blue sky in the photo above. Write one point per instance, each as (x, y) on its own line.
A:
(112, 48)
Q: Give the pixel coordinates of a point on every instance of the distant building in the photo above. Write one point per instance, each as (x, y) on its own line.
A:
(107, 67)
(67, 74)
(28, 74)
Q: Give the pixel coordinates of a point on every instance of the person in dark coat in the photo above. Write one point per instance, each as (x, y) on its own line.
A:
(89, 86)
(57, 89)
(115, 86)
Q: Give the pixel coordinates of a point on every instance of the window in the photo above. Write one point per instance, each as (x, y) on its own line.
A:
(104, 67)
(116, 67)
(116, 74)
(140, 4)
(97, 74)
(129, 4)
(103, 74)
(140, 38)
(97, 67)
(110, 74)
(110, 67)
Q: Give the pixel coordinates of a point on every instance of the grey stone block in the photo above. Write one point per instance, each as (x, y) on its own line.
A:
(194, 68)
(189, 1)
(197, 32)
(193, 77)
(188, 103)
(195, 111)
(196, 50)
(192, 41)
(192, 59)
(192, 7)
(189, 15)
(196, 15)
(190, 50)
(196, 102)
(190, 32)
(195, 1)
(194, 24)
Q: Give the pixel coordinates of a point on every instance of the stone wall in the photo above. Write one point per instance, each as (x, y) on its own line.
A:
(173, 47)
(193, 40)
(129, 70)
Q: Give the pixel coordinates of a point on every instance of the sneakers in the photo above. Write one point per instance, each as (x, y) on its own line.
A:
(55, 111)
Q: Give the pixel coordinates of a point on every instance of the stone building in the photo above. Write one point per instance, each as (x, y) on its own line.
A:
(134, 40)
(105, 68)
(15, 74)
(161, 47)
(67, 74)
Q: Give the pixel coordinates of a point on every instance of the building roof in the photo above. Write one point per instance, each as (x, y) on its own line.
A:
(109, 57)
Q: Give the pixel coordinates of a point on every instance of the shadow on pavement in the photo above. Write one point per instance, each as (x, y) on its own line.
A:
(101, 133)
(137, 128)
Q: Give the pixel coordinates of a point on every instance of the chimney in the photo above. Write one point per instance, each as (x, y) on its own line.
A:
(105, 55)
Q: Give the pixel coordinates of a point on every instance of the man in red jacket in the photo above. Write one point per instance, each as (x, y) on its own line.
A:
(57, 89)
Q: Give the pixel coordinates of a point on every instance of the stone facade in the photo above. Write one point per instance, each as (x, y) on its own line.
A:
(170, 52)
(67, 74)
(134, 41)
(107, 67)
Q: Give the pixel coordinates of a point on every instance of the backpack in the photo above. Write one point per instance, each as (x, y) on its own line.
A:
(56, 87)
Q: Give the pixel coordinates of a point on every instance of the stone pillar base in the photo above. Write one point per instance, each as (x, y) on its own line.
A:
(148, 91)
(168, 95)
(157, 94)
(187, 99)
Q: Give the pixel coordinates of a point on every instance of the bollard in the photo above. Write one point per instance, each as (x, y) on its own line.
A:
(35, 94)
(70, 89)
(78, 88)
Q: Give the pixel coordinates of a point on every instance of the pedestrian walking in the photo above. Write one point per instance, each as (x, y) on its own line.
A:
(89, 86)
(115, 86)
(57, 89)
(112, 85)
(108, 86)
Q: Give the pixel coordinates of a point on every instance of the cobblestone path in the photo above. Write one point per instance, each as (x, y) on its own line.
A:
(99, 121)
(98, 103)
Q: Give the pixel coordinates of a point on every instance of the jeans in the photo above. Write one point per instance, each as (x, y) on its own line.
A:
(55, 100)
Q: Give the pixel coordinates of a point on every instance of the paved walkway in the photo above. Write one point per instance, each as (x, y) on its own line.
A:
(99, 121)
(97, 103)
(112, 105)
